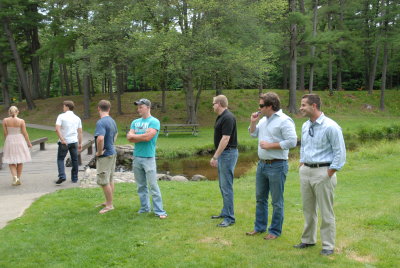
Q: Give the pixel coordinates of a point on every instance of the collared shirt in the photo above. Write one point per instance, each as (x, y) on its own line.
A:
(326, 145)
(225, 124)
(277, 128)
(69, 123)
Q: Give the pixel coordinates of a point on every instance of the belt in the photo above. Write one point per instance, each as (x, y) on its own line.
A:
(270, 161)
(317, 165)
(230, 148)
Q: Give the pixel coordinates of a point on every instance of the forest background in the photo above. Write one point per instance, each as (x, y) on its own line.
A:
(64, 47)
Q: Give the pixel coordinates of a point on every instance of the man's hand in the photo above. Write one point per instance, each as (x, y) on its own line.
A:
(331, 172)
(265, 145)
(100, 153)
(79, 147)
(255, 116)
(214, 162)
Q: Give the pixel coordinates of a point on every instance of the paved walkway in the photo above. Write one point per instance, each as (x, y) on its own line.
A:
(38, 178)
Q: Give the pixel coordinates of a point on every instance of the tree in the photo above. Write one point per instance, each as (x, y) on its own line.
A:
(293, 60)
(5, 20)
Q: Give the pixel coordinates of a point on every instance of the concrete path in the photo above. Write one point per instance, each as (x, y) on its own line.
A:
(38, 178)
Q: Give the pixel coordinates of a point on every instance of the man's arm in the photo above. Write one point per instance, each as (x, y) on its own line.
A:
(100, 145)
(221, 147)
(336, 139)
(79, 139)
(147, 136)
(58, 131)
(289, 136)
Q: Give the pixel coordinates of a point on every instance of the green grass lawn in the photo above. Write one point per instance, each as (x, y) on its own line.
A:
(64, 229)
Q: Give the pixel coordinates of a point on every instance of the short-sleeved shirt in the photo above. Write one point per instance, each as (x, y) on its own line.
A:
(140, 126)
(225, 124)
(106, 127)
(70, 123)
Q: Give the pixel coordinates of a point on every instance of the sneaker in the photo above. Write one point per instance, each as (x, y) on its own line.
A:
(59, 181)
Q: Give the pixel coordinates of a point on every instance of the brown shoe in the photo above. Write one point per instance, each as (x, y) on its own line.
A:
(253, 233)
(270, 237)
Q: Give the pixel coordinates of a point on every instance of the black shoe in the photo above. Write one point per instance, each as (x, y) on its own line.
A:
(75, 181)
(225, 224)
(216, 217)
(60, 181)
(303, 245)
(327, 252)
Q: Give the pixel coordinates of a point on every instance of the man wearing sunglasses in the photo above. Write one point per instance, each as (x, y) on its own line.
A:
(276, 134)
(322, 153)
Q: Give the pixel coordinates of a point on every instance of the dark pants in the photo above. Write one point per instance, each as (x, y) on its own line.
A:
(62, 152)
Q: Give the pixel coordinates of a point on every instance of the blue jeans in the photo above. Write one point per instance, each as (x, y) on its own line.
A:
(145, 171)
(226, 167)
(61, 154)
(270, 178)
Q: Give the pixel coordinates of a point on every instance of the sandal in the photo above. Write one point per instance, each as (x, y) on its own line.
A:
(105, 210)
(100, 205)
(163, 216)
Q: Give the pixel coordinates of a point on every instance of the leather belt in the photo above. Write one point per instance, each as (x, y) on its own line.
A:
(270, 161)
(317, 165)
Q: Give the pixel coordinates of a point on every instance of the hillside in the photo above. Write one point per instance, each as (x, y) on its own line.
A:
(242, 102)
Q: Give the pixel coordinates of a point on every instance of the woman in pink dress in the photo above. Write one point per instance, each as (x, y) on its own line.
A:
(15, 151)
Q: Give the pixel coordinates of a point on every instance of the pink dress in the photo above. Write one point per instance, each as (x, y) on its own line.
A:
(15, 149)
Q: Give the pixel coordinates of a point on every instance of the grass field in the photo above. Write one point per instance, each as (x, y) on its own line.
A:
(64, 229)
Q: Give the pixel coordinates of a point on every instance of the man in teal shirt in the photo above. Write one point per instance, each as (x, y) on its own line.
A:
(144, 133)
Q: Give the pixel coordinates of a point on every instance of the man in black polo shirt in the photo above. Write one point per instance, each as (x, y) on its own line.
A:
(225, 157)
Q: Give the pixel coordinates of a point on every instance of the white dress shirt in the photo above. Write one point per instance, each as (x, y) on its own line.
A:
(70, 123)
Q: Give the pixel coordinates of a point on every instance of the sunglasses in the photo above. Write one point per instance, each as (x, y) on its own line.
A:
(311, 131)
(262, 105)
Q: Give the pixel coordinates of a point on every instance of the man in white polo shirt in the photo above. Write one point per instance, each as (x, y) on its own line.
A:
(69, 132)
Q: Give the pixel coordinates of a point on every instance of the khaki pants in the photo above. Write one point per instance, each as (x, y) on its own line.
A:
(317, 190)
(105, 169)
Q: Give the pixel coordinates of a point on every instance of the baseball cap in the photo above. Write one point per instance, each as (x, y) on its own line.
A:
(143, 101)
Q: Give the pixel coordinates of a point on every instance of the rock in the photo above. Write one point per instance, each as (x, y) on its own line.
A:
(164, 177)
(199, 177)
(179, 178)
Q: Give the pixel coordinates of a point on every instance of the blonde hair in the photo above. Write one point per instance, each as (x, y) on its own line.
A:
(13, 111)
(222, 100)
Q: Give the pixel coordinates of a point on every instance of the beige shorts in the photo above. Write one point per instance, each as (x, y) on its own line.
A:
(105, 169)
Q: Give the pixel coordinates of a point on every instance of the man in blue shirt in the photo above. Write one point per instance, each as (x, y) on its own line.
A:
(144, 133)
(322, 153)
(276, 134)
(105, 134)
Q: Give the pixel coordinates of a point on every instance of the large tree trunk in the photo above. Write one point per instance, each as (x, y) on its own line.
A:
(86, 82)
(110, 84)
(32, 35)
(4, 84)
(120, 84)
(330, 56)
(71, 78)
(49, 76)
(293, 61)
(163, 84)
(302, 51)
(78, 79)
(372, 72)
(66, 80)
(190, 100)
(18, 63)
(383, 82)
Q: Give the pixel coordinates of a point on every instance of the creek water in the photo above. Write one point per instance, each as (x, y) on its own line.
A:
(190, 166)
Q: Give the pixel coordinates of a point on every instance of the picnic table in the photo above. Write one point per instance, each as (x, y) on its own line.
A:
(181, 128)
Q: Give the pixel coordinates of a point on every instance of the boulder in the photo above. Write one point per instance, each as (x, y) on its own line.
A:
(199, 177)
(179, 178)
(164, 177)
